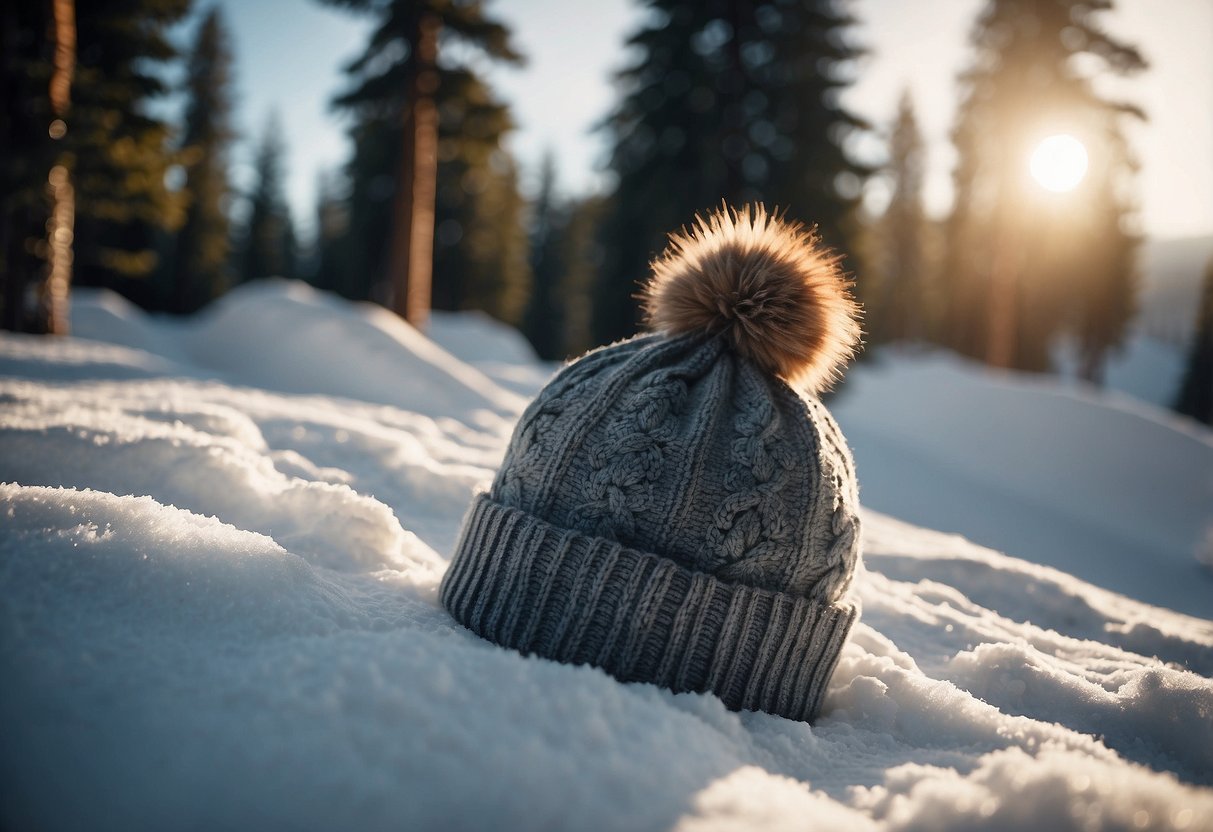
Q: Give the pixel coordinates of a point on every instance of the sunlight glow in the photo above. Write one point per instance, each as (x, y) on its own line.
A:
(1059, 163)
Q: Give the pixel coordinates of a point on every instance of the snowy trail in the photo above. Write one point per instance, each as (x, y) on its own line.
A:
(218, 607)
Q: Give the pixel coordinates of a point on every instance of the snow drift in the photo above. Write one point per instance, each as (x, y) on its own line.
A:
(221, 543)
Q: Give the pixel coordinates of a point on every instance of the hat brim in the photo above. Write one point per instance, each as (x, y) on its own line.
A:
(525, 584)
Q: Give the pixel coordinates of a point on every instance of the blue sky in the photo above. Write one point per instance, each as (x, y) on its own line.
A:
(289, 55)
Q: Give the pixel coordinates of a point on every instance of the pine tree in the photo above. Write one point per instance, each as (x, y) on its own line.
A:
(897, 298)
(1023, 267)
(268, 248)
(201, 261)
(332, 225)
(488, 268)
(479, 233)
(542, 321)
(1195, 397)
(119, 149)
(733, 100)
(581, 254)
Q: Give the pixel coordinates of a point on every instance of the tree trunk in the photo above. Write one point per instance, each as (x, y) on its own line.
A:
(411, 255)
(53, 296)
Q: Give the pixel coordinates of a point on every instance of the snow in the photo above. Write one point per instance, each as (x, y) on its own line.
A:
(221, 540)
(1107, 487)
(1145, 367)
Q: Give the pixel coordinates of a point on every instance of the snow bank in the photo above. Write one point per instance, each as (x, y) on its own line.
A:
(1146, 367)
(495, 349)
(218, 610)
(285, 336)
(1108, 488)
(475, 337)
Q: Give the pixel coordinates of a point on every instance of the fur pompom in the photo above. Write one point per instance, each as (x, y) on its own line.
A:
(769, 283)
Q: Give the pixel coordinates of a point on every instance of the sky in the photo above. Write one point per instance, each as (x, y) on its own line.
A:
(289, 55)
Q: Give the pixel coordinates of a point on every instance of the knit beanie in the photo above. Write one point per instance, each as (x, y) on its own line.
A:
(679, 508)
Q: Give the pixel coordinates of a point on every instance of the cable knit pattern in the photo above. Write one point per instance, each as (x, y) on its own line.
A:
(831, 576)
(529, 445)
(632, 458)
(533, 440)
(750, 527)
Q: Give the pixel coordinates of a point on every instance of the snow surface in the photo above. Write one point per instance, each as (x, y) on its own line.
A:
(1146, 367)
(221, 540)
(1111, 489)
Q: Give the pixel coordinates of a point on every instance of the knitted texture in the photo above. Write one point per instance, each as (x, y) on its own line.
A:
(526, 584)
(672, 513)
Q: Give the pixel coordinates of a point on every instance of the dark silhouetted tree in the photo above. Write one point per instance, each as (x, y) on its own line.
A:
(1024, 267)
(484, 253)
(479, 251)
(543, 322)
(1195, 397)
(734, 100)
(201, 260)
(897, 293)
(28, 152)
(268, 248)
(332, 224)
(120, 150)
(582, 256)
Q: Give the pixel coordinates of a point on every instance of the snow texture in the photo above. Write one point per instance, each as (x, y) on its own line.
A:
(221, 540)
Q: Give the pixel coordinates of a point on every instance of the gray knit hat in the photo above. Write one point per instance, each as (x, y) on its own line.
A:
(679, 508)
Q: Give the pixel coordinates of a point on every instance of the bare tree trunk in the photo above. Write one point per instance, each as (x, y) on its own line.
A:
(411, 256)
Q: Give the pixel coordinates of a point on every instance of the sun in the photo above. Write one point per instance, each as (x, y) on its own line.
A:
(1059, 163)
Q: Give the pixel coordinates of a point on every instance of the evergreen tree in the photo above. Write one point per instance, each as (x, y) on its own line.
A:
(733, 100)
(481, 254)
(897, 297)
(201, 261)
(269, 237)
(542, 323)
(332, 225)
(479, 240)
(1023, 267)
(119, 149)
(1103, 257)
(582, 256)
(1196, 392)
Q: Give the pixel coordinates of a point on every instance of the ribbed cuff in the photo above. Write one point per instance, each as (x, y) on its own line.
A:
(523, 583)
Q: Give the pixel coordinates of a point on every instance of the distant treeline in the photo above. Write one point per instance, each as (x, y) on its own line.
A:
(723, 100)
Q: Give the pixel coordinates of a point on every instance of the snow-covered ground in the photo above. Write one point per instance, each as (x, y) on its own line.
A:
(221, 540)
(1104, 486)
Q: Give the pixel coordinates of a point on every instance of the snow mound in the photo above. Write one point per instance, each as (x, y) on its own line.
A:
(1111, 489)
(285, 336)
(474, 337)
(498, 351)
(103, 315)
(34, 357)
(218, 609)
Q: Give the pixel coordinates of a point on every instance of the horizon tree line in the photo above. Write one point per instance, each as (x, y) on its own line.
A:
(734, 100)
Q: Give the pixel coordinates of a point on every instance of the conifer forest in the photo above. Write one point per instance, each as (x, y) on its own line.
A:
(118, 142)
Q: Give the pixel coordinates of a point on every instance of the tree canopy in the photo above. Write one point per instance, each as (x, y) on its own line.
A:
(480, 256)
(1025, 267)
(734, 100)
